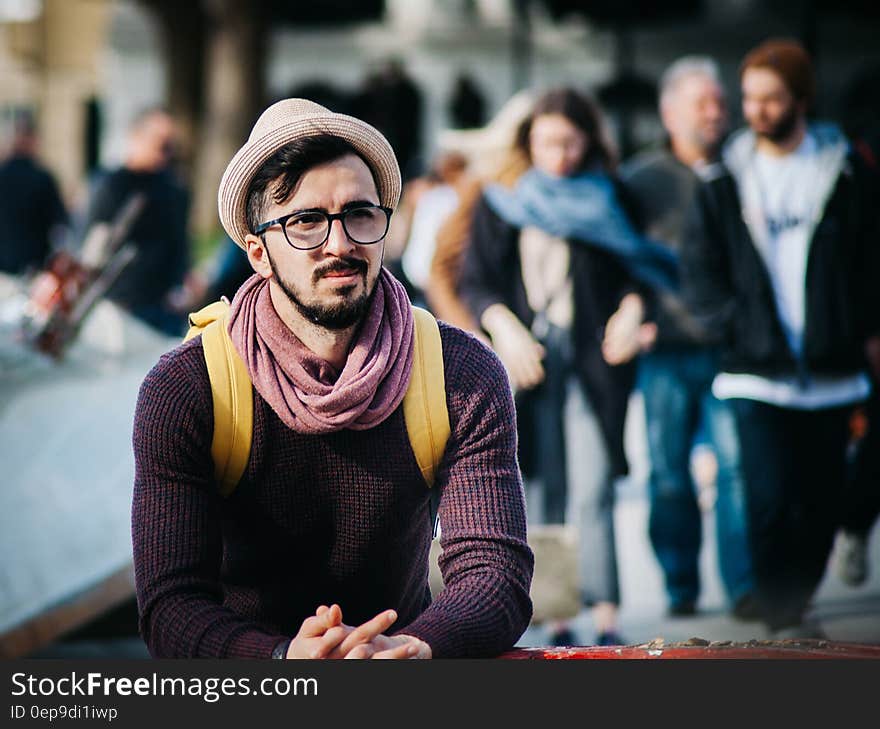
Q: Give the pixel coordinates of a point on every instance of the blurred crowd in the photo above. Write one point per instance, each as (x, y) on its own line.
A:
(730, 276)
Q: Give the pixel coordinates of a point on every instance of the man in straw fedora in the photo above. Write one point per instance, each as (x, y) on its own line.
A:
(320, 549)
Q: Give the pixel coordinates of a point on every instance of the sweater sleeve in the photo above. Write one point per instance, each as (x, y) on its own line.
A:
(486, 562)
(706, 277)
(176, 531)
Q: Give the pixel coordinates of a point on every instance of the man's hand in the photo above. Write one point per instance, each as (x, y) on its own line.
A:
(325, 636)
(519, 352)
(320, 634)
(625, 333)
(391, 646)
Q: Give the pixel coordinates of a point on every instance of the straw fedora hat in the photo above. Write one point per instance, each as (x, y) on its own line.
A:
(284, 122)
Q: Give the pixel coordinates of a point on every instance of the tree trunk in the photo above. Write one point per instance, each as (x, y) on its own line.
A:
(234, 96)
(183, 30)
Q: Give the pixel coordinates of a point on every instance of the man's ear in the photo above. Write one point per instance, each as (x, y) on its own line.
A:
(258, 256)
(667, 119)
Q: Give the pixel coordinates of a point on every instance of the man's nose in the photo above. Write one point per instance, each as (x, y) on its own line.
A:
(338, 243)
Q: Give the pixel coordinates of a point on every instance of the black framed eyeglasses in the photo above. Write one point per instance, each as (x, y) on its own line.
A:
(308, 229)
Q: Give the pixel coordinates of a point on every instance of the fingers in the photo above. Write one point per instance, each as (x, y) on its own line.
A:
(367, 631)
(616, 353)
(398, 652)
(524, 364)
(647, 336)
(333, 615)
(329, 641)
(621, 342)
(321, 622)
(407, 650)
(360, 652)
(526, 375)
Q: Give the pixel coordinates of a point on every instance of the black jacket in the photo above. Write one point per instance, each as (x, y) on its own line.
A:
(159, 233)
(662, 189)
(728, 286)
(30, 207)
(492, 274)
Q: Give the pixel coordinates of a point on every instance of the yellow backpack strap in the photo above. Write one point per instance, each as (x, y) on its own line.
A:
(232, 394)
(424, 405)
(198, 320)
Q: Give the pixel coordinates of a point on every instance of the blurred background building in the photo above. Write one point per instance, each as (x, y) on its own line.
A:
(85, 67)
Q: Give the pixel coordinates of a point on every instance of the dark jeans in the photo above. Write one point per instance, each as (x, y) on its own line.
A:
(676, 386)
(794, 463)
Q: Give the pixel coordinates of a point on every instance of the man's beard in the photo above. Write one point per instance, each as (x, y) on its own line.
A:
(342, 314)
(783, 128)
(709, 143)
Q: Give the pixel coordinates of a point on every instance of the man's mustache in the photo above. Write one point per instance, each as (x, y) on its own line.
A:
(340, 264)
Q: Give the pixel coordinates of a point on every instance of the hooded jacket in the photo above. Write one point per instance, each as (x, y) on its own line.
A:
(727, 283)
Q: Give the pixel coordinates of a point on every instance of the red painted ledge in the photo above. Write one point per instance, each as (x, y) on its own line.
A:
(698, 648)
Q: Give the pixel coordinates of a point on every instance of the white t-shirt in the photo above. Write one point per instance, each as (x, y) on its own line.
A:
(787, 193)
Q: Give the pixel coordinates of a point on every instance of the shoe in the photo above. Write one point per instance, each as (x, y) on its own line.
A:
(563, 638)
(747, 608)
(609, 637)
(682, 609)
(849, 558)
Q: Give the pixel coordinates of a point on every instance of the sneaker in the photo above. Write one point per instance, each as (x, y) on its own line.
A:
(747, 608)
(850, 558)
(609, 637)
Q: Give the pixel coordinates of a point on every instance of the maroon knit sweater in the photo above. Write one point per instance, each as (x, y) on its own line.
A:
(319, 519)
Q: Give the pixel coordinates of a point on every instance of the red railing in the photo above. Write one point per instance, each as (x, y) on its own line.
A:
(754, 649)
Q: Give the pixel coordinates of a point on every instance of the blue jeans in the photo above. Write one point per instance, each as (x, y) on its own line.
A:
(676, 385)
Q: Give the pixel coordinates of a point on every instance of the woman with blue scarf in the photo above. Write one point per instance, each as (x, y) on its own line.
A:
(549, 262)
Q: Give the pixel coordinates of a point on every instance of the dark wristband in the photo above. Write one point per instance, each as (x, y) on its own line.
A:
(280, 650)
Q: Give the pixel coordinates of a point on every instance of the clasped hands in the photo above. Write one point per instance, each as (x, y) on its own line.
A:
(324, 635)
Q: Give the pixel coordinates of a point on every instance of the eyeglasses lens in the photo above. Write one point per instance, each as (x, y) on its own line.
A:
(362, 225)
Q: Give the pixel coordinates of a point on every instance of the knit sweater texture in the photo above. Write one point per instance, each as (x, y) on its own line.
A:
(320, 519)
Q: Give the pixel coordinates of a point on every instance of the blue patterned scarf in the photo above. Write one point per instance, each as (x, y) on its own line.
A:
(584, 208)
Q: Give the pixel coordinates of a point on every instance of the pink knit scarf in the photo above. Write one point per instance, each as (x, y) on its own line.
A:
(306, 391)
